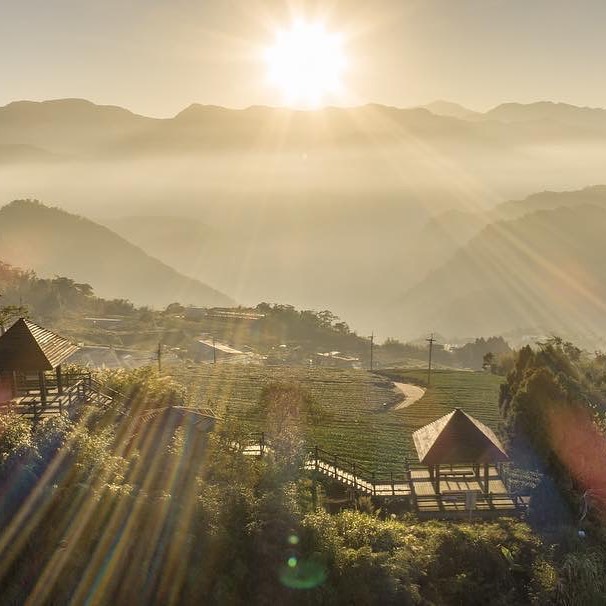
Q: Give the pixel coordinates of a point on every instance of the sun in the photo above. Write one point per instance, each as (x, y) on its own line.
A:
(306, 63)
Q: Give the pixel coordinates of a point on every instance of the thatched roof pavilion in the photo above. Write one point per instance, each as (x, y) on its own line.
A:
(28, 348)
(456, 439)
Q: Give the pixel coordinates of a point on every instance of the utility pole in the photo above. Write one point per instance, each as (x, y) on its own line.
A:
(160, 357)
(431, 341)
(214, 351)
(372, 344)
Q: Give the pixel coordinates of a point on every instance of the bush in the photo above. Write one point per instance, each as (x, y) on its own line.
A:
(376, 561)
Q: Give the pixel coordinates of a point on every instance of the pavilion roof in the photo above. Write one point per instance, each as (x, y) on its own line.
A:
(27, 347)
(457, 438)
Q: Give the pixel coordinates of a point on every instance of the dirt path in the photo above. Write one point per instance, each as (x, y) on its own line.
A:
(412, 393)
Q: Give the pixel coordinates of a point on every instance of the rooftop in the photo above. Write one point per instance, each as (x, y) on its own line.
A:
(457, 438)
(219, 346)
(25, 346)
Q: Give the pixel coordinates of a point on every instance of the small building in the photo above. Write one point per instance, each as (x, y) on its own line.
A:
(196, 314)
(336, 359)
(208, 349)
(106, 323)
(104, 356)
(458, 439)
(28, 356)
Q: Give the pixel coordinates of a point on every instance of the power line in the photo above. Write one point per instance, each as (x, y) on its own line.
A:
(372, 344)
(431, 341)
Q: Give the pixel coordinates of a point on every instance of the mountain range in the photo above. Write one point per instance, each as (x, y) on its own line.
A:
(76, 128)
(365, 211)
(533, 265)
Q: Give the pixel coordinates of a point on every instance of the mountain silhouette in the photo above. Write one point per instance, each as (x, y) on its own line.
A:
(53, 242)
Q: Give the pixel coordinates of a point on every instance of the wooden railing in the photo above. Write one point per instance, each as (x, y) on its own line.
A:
(346, 471)
(76, 389)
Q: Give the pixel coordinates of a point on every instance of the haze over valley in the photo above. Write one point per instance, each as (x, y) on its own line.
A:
(357, 210)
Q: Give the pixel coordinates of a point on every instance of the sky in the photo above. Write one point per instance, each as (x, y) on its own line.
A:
(156, 57)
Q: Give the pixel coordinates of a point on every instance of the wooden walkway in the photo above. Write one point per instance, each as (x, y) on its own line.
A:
(415, 484)
(344, 472)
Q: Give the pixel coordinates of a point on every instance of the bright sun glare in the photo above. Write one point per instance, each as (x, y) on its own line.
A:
(306, 64)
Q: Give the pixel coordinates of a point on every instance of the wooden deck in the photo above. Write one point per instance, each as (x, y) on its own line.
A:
(83, 389)
(455, 483)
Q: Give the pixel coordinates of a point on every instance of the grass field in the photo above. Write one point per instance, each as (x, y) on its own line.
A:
(356, 424)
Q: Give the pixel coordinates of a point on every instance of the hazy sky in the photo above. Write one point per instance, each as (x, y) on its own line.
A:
(158, 56)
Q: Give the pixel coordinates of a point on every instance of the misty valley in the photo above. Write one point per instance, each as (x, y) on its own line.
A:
(390, 218)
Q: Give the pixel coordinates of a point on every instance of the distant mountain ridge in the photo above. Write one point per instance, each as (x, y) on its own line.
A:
(588, 117)
(448, 108)
(53, 242)
(76, 128)
(547, 200)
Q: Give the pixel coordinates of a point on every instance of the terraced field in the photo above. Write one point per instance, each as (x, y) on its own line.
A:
(356, 423)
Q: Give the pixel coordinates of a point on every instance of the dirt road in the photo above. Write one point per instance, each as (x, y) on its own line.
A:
(412, 393)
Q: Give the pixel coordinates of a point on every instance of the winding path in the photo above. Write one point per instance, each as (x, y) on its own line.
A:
(412, 393)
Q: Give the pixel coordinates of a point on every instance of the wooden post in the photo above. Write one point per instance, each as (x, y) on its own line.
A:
(317, 459)
(413, 495)
(262, 444)
(374, 485)
(393, 487)
(335, 466)
(353, 467)
(486, 478)
(437, 479)
(372, 343)
(42, 383)
(431, 341)
(59, 380)
(14, 384)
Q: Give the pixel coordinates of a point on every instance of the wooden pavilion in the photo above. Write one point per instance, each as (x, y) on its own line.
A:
(28, 351)
(458, 439)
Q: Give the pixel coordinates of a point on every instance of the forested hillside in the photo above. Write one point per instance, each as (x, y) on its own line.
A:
(543, 271)
(53, 242)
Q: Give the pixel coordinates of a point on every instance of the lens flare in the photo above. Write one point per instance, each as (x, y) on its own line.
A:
(302, 573)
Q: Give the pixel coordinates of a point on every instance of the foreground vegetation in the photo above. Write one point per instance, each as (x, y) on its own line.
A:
(134, 504)
(93, 519)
